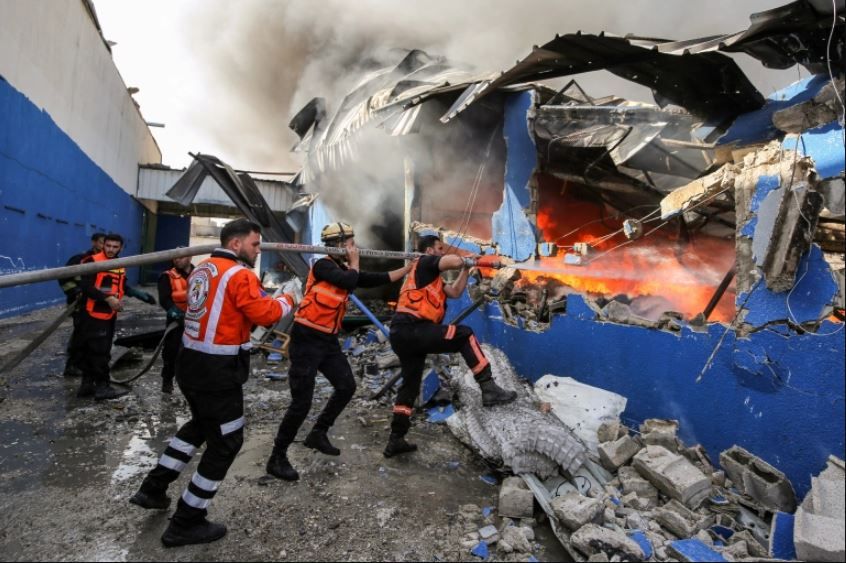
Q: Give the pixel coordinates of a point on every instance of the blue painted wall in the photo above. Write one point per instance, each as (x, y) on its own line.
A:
(171, 231)
(52, 198)
(788, 409)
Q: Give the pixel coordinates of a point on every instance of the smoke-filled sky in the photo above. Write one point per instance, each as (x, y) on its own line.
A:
(225, 77)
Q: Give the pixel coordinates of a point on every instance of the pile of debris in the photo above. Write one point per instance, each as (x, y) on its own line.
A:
(614, 494)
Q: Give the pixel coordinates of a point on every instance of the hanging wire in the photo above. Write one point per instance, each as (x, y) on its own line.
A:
(790, 311)
(828, 62)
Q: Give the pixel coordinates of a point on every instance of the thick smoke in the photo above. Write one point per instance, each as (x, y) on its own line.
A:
(265, 60)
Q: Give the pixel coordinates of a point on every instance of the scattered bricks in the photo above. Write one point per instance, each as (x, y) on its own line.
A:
(680, 520)
(673, 475)
(758, 479)
(610, 430)
(636, 521)
(699, 457)
(660, 432)
(489, 534)
(515, 538)
(515, 499)
(614, 454)
(737, 550)
(632, 482)
(574, 510)
(693, 550)
(591, 539)
(643, 504)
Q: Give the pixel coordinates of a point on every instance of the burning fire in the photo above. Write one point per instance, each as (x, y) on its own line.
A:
(681, 276)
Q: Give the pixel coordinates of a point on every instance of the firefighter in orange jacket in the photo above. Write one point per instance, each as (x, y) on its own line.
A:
(416, 331)
(225, 300)
(314, 346)
(173, 297)
(103, 292)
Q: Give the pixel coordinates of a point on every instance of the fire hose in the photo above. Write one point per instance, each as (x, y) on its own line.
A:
(170, 327)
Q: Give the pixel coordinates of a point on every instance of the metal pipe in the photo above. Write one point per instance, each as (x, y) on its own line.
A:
(718, 294)
(370, 315)
(23, 278)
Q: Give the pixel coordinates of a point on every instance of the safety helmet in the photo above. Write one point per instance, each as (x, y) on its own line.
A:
(334, 232)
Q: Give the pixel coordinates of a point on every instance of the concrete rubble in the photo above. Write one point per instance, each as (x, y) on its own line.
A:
(819, 522)
(646, 495)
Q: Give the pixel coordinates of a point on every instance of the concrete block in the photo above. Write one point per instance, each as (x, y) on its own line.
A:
(614, 454)
(515, 538)
(758, 479)
(673, 475)
(515, 499)
(632, 482)
(592, 539)
(828, 497)
(660, 432)
(753, 544)
(819, 538)
(574, 510)
(693, 550)
(609, 431)
(680, 520)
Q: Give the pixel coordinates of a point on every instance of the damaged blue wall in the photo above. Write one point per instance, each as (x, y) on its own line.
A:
(511, 229)
(777, 394)
(53, 197)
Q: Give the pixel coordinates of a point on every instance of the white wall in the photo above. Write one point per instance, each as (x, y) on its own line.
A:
(51, 51)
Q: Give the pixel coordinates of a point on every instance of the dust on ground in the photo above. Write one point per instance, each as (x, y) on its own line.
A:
(69, 465)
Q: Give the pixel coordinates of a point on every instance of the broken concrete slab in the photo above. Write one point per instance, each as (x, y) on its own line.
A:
(821, 109)
(489, 534)
(614, 454)
(673, 475)
(818, 538)
(660, 432)
(516, 540)
(699, 190)
(758, 479)
(632, 482)
(575, 510)
(828, 497)
(591, 539)
(680, 520)
(611, 430)
(515, 499)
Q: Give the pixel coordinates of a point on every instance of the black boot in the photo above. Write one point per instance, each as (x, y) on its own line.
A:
(86, 388)
(72, 371)
(149, 500)
(279, 466)
(167, 386)
(318, 440)
(202, 532)
(397, 445)
(106, 392)
(493, 394)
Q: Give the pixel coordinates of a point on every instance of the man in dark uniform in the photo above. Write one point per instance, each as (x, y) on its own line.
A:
(71, 289)
(416, 331)
(173, 297)
(225, 300)
(104, 292)
(314, 346)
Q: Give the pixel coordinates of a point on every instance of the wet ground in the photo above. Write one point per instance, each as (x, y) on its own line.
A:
(69, 465)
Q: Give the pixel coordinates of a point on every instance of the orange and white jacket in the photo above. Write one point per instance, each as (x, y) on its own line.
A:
(225, 300)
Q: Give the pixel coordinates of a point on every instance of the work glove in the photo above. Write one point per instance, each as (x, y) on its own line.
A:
(489, 261)
(293, 289)
(147, 298)
(175, 314)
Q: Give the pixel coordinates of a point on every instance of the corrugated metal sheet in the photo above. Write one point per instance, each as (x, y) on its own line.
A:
(153, 183)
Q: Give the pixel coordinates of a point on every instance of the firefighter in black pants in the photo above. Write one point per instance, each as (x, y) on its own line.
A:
(314, 347)
(173, 297)
(225, 300)
(416, 331)
(71, 289)
(103, 293)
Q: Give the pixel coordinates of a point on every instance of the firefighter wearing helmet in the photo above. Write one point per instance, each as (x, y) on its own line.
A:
(314, 346)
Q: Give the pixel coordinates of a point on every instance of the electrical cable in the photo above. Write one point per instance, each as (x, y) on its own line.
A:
(790, 314)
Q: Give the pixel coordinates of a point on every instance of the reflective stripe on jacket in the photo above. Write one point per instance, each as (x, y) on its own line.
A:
(225, 300)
